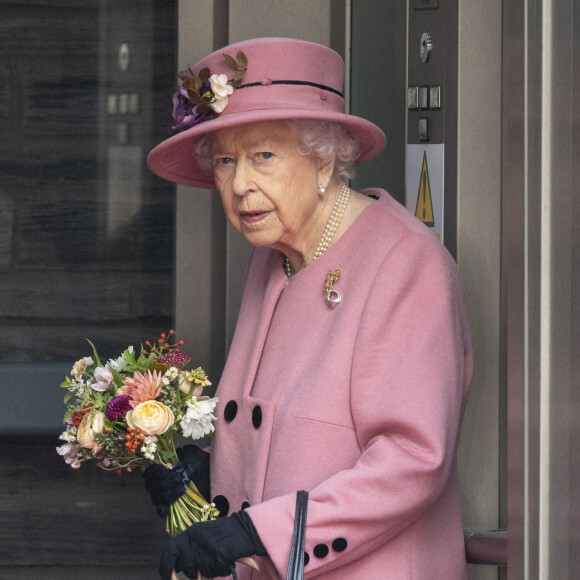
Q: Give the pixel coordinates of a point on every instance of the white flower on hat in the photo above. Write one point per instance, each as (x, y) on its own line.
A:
(221, 90)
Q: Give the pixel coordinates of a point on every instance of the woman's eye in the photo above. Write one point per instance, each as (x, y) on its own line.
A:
(265, 155)
(223, 161)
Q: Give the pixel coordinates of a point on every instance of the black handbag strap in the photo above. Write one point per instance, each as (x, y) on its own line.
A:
(296, 563)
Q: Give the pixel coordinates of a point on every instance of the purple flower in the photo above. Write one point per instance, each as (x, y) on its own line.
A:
(118, 407)
(69, 453)
(185, 74)
(173, 359)
(182, 106)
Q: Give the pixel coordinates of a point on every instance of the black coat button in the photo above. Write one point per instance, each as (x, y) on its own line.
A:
(257, 416)
(230, 411)
(222, 504)
(306, 558)
(339, 545)
(321, 550)
(245, 505)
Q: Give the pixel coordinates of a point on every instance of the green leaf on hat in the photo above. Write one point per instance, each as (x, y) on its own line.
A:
(239, 64)
(204, 74)
(192, 83)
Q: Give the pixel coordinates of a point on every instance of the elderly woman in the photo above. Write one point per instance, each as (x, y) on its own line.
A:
(350, 365)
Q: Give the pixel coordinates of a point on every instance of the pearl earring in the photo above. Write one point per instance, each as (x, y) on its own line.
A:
(321, 189)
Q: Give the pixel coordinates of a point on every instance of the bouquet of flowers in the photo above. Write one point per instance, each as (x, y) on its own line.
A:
(127, 412)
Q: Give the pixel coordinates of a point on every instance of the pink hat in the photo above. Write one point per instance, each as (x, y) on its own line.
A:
(265, 79)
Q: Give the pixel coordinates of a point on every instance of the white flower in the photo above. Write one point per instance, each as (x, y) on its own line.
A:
(199, 417)
(77, 386)
(86, 434)
(120, 363)
(220, 87)
(98, 425)
(170, 375)
(150, 447)
(67, 436)
(80, 367)
(103, 379)
(221, 90)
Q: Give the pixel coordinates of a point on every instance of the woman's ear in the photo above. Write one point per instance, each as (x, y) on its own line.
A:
(325, 173)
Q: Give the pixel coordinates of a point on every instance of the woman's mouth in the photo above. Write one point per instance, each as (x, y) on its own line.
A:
(251, 217)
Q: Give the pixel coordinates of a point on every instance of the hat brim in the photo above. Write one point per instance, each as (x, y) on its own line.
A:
(174, 158)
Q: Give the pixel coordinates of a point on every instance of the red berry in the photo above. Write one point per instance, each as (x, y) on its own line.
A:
(172, 332)
(181, 343)
(147, 343)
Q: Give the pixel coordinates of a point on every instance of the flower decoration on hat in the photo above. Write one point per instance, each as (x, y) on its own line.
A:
(203, 96)
(240, 65)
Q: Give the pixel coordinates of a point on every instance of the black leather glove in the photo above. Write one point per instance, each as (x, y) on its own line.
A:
(167, 485)
(211, 547)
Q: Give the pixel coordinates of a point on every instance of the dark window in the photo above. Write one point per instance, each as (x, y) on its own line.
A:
(86, 231)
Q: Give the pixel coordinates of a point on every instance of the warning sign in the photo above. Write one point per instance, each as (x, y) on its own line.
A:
(424, 207)
(424, 185)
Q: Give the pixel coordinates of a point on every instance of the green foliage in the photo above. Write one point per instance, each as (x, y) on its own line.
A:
(117, 378)
(68, 413)
(166, 455)
(97, 359)
(141, 364)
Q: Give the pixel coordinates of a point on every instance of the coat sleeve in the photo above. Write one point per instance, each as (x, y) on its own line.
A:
(411, 369)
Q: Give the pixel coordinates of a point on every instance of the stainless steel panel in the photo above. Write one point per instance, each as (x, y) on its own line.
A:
(541, 235)
(478, 175)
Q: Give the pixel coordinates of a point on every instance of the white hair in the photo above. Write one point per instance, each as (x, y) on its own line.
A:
(326, 140)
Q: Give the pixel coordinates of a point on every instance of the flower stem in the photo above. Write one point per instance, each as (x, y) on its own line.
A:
(189, 509)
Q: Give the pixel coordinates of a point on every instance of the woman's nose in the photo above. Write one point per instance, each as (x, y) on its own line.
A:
(243, 177)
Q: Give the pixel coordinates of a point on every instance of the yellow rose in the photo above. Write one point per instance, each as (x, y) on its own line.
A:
(86, 434)
(152, 417)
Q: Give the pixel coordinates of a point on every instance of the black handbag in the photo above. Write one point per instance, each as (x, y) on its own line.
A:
(296, 563)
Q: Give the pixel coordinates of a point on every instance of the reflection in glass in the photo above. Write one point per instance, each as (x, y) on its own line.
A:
(86, 242)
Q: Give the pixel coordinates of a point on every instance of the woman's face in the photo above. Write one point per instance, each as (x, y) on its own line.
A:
(268, 188)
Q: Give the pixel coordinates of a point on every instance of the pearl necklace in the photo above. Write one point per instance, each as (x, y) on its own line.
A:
(330, 229)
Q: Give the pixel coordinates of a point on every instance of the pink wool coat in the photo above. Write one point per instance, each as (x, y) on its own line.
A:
(360, 405)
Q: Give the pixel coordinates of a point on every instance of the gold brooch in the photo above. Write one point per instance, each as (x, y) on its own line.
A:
(331, 296)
